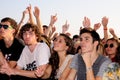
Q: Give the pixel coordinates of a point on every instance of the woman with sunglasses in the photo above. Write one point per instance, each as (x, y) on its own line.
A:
(111, 49)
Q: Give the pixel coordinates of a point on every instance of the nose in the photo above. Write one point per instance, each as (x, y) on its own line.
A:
(26, 35)
(1, 28)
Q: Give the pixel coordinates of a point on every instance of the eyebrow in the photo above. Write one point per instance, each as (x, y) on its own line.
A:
(86, 37)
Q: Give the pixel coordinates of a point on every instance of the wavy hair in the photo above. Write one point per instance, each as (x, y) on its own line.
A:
(54, 59)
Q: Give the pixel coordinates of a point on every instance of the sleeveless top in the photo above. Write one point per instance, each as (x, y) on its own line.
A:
(63, 66)
(81, 73)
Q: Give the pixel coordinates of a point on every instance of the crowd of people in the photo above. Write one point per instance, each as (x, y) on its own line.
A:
(33, 51)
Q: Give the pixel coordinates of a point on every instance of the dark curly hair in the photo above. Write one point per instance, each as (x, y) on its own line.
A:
(29, 26)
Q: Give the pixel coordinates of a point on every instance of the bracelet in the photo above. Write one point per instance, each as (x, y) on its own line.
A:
(88, 69)
(105, 28)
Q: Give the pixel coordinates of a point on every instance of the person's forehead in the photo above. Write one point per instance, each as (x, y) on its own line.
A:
(60, 37)
(111, 41)
(85, 35)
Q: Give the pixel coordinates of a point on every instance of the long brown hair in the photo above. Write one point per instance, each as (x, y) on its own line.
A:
(54, 59)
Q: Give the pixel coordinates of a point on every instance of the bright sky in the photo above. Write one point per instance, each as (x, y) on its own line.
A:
(71, 10)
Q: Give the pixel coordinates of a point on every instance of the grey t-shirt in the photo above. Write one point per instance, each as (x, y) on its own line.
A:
(75, 61)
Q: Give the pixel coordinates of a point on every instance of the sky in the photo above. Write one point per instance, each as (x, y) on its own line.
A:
(71, 10)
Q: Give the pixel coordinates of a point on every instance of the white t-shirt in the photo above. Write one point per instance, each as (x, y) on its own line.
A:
(31, 60)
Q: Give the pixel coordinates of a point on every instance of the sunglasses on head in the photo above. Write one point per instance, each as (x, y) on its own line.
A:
(110, 46)
(5, 26)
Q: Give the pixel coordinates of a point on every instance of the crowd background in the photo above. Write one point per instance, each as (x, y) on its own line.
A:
(32, 32)
(73, 11)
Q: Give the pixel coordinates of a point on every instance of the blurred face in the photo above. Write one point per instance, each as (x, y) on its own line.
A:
(29, 37)
(5, 29)
(86, 43)
(59, 44)
(44, 29)
(76, 39)
(111, 47)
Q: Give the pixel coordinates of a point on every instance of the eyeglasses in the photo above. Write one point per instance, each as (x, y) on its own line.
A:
(110, 46)
(5, 26)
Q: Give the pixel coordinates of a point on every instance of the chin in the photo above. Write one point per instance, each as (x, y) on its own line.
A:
(85, 51)
(27, 44)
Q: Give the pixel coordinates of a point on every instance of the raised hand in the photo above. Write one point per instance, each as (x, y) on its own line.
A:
(97, 26)
(104, 21)
(111, 30)
(36, 12)
(25, 12)
(86, 22)
(53, 19)
(53, 29)
(65, 27)
(29, 8)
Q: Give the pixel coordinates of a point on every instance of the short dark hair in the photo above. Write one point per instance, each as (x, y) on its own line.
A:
(93, 33)
(45, 26)
(75, 36)
(12, 22)
(29, 26)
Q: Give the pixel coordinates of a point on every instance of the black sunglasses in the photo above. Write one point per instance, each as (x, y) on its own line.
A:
(106, 45)
(4, 26)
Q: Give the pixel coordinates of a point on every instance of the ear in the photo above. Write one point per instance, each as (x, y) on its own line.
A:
(66, 48)
(13, 31)
(96, 43)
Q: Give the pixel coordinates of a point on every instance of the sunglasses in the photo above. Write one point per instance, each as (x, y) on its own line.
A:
(110, 46)
(5, 26)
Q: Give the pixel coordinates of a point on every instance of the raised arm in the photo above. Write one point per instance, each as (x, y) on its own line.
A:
(21, 21)
(104, 23)
(38, 20)
(97, 26)
(111, 30)
(51, 25)
(31, 19)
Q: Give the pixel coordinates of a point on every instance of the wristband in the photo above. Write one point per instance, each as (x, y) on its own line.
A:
(88, 69)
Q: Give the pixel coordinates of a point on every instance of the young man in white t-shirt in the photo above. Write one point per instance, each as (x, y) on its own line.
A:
(34, 55)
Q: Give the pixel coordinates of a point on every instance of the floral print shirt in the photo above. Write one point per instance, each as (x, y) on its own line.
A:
(112, 72)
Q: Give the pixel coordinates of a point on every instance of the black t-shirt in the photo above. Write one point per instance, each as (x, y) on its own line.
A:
(11, 54)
